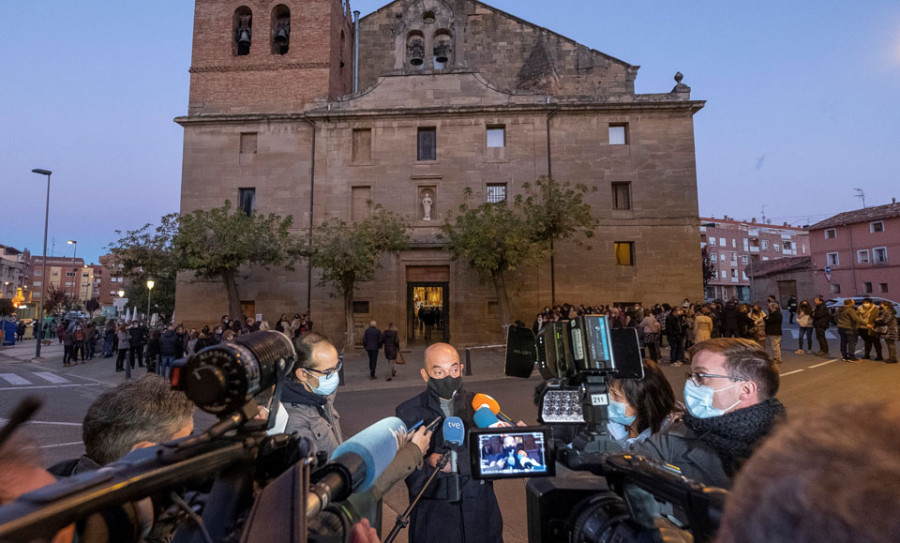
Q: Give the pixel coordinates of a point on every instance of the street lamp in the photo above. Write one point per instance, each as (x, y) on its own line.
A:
(119, 307)
(74, 249)
(150, 284)
(40, 328)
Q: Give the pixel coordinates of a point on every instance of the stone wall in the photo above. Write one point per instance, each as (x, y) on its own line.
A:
(513, 54)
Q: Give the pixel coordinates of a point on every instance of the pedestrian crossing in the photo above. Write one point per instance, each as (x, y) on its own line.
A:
(34, 378)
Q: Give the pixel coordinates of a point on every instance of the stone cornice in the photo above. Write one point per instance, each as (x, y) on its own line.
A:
(259, 67)
(325, 115)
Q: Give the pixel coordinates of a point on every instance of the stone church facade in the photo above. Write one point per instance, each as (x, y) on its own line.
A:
(453, 97)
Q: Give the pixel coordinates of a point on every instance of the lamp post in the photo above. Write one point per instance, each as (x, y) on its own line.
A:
(121, 294)
(37, 353)
(150, 284)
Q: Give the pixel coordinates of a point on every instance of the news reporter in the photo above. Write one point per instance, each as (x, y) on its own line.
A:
(640, 408)
(309, 402)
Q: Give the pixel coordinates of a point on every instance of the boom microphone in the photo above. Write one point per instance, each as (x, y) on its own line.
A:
(356, 463)
(483, 400)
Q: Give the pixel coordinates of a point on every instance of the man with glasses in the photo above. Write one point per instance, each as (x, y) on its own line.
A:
(309, 396)
(731, 404)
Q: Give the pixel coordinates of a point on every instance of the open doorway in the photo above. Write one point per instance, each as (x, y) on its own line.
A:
(428, 310)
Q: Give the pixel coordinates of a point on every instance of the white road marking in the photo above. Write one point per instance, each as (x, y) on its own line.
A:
(58, 445)
(791, 372)
(52, 377)
(823, 363)
(14, 379)
(4, 421)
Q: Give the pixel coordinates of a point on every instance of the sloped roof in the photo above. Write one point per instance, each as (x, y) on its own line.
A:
(865, 214)
(766, 268)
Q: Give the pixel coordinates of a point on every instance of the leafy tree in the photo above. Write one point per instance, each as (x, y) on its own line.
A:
(494, 239)
(147, 253)
(709, 268)
(349, 254)
(215, 243)
(91, 305)
(6, 307)
(57, 300)
(557, 211)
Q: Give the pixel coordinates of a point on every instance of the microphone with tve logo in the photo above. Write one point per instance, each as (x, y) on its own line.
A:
(454, 435)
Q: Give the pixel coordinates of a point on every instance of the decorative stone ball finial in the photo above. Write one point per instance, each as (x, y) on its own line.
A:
(678, 77)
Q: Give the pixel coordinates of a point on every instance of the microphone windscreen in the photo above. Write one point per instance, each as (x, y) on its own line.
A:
(484, 400)
(484, 418)
(454, 431)
(377, 445)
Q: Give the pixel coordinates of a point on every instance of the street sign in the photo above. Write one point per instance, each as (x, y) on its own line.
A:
(828, 270)
(828, 277)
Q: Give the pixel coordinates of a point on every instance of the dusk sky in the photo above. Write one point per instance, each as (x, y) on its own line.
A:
(802, 104)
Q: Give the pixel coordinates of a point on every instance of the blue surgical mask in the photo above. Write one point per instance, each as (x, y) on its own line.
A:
(327, 384)
(699, 400)
(617, 413)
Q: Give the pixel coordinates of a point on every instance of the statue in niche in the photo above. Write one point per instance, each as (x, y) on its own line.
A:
(426, 206)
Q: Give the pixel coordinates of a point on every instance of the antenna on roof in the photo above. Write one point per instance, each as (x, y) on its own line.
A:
(861, 194)
(764, 213)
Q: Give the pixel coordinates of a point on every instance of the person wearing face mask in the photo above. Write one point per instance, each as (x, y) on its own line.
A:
(455, 507)
(309, 396)
(731, 406)
(640, 408)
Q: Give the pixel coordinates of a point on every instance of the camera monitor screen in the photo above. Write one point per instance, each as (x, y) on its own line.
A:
(513, 451)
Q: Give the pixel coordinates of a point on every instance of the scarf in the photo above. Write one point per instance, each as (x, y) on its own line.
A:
(734, 435)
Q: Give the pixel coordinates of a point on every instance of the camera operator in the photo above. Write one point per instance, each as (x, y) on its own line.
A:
(133, 415)
(730, 398)
(469, 513)
(829, 476)
(640, 408)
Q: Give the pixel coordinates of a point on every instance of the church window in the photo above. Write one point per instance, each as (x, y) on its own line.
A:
(427, 144)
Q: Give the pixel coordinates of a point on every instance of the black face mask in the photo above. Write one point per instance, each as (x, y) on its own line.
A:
(445, 387)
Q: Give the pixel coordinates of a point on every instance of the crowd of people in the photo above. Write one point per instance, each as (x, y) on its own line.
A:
(677, 328)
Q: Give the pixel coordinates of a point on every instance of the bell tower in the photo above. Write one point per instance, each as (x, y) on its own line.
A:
(265, 56)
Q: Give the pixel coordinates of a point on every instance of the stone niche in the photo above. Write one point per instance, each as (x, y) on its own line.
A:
(426, 202)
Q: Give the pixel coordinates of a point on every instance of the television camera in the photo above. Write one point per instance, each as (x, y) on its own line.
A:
(232, 482)
(627, 497)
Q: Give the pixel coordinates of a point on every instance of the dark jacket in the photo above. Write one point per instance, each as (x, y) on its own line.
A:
(372, 339)
(434, 519)
(673, 326)
(170, 344)
(391, 344)
(138, 336)
(67, 468)
(821, 316)
(773, 323)
(313, 416)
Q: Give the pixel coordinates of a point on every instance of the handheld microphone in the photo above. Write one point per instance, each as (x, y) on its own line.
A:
(454, 432)
(483, 400)
(485, 418)
(356, 463)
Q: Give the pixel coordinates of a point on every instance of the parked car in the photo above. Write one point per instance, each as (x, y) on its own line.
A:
(834, 303)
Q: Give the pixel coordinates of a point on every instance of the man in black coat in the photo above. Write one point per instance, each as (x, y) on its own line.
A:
(138, 333)
(455, 507)
(821, 320)
(372, 343)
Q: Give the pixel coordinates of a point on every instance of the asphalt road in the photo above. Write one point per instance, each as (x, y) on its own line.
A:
(808, 383)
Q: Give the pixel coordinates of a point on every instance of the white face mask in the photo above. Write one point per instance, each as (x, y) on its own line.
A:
(699, 400)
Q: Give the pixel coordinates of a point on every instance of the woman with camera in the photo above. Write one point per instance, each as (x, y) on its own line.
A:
(641, 408)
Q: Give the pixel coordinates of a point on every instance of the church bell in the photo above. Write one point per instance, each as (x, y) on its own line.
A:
(417, 52)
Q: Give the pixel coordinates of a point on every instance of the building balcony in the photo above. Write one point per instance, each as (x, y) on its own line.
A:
(754, 249)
